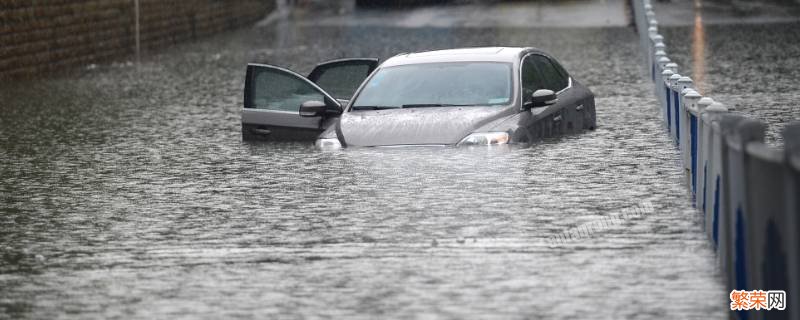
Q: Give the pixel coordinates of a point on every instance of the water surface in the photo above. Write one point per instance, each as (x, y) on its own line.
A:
(130, 194)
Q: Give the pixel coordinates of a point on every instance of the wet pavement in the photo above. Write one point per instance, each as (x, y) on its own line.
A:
(130, 194)
(743, 54)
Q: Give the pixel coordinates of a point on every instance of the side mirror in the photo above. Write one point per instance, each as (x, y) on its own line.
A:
(543, 98)
(313, 108)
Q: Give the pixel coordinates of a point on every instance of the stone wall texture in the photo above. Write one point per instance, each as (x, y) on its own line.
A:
(41, 36)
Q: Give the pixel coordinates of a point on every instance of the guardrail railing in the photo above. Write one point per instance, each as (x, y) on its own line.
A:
(747, 191)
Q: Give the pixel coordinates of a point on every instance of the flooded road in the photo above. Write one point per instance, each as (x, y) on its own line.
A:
(744, 55)
(130, 194)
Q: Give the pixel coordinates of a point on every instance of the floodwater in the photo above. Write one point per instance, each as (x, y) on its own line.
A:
(744, 55)
(130, 194)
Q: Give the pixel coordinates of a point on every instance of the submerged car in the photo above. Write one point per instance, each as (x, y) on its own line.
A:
(471, 96)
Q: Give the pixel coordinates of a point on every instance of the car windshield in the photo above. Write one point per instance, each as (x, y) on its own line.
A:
(437, 85)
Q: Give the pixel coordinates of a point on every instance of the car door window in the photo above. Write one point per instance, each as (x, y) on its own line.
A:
(561, 70)
(276, 89)
(341, 78)
(343, 81)
(551, 78)
(531, 79)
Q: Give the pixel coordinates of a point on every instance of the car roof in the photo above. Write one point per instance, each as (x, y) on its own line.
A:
(487, 54)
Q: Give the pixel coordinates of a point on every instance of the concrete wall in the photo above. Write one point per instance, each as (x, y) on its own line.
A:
(43, 36)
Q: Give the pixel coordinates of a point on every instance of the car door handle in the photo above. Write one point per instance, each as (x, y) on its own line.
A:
(557, 118)
(261, 131)
(579, 107)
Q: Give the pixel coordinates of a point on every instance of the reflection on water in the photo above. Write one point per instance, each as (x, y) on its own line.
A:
(751, 67)
(131, 194)
(699, 48)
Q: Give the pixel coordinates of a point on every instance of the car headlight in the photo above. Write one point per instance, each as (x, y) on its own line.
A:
(485, 139)
(328, 144)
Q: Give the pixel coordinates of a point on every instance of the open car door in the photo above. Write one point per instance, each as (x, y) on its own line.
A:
(273, 97)
(272, 100)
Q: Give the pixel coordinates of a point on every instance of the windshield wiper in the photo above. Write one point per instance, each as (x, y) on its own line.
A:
(425, 105)
(374, 107)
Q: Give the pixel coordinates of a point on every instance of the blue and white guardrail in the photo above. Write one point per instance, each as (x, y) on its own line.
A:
(747, 191)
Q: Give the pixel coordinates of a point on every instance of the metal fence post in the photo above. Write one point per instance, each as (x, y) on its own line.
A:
(747, 131)
(650, 45)
(651, 16)
(733, 175)
(671, 66)
(791, 142)
(673, 90)
(662, 63)
(657, 68)
(664, 93)
(691, 99)
(712, 159)
(702, 152)
(767, 228)
(683, 85)
(659, 45)
(659, 50)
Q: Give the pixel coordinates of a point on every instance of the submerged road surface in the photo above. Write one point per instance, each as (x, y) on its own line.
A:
(130, 194)
(743, 54)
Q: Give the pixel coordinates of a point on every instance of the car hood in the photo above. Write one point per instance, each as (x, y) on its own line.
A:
(414, 126)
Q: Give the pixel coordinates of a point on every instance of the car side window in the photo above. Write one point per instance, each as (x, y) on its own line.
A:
(531, 79)
(342, 81)
(552, 78)
(561, 70)
(275, 89)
